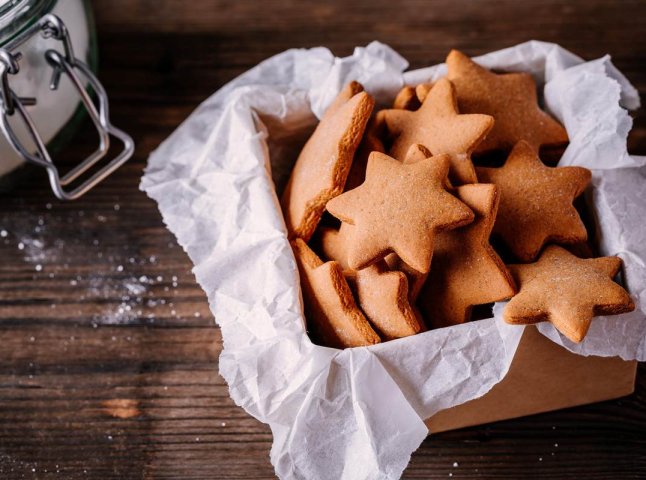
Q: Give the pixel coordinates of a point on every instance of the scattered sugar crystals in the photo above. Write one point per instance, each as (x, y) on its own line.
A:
(121, 294)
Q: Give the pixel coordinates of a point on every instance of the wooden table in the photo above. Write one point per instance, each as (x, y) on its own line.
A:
(108, 364)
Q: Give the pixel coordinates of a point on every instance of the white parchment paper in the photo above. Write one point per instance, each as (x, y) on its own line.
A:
(358, 413)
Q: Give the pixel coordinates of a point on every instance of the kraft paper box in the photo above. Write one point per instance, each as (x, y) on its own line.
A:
(542, 377)
(360, 413)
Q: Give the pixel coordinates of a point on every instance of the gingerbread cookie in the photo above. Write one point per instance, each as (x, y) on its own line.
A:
(383, 296)
(407, 99)
(399, 208)
(415, 279)
(417, 152)
(566, 291)
(329, 304)
(439, 127)
(323, 165)
(371, 142)
(536, 202)
(466, 270)
(510, 98)
(334, 244)
(350, 90)
(421, 91)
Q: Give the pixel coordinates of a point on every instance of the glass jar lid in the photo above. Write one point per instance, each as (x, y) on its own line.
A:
(18, 15)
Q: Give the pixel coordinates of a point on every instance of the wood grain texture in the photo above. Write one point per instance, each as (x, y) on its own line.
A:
(108, 365)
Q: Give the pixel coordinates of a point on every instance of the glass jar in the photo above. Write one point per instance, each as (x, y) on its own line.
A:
(47, 65)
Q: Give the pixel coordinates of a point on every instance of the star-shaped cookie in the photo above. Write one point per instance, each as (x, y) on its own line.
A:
(399, 208)
(466, 271)
(536, 202)
(510, 98)
(371, 142)
(383, 296)
(329, 304)
(566, 291)
(323, 165)
(406, 99)
(439, 127)
(334, 244)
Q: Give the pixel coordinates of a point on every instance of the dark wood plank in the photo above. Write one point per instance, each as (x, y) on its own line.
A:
(109, 360)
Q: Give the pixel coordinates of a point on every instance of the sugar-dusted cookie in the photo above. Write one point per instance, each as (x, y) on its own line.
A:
(466, 271)
(510, 98)
(566, 291)
(439, 127)
(323, 165)
(329, 305)
(399, 208)
(407, 99)
(383, 296)
(536, 202)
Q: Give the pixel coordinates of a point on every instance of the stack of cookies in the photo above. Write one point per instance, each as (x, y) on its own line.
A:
(400, 222)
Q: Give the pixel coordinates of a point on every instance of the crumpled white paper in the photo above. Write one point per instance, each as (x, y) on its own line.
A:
(359, 413)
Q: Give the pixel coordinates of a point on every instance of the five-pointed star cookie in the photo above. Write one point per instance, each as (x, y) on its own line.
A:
(323, 165)
(510, 98)
(536, 202)
(566, 291)
(399, 208)
(439, 127)
(383, 296)
(329, 304)
(466, 271)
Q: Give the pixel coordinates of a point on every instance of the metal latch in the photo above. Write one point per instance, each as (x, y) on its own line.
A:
(51, 26)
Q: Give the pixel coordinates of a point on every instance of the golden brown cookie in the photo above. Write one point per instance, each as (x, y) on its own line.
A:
(329, 305)
(566, 291)
(371, 142)
(399, 208)
(421, 91)
(536, 202)
(323, 165)
(415, 279)
(439, 127)
(349, 91)
(383, 296)
(466, 271)
(334, 244)
(510, 98)
(407, 99)
(417, 152)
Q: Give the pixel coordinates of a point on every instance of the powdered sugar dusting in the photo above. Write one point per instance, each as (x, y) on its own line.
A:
(106, 275)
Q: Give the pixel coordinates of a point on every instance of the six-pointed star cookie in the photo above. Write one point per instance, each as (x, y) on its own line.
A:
(439, 127)
(510, 98)
(323, 165)
(329, 303)
(536, 202)
(399, 208)
(566, 291)
(466, 271)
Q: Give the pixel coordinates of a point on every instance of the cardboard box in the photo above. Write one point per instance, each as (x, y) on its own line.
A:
(543, 376)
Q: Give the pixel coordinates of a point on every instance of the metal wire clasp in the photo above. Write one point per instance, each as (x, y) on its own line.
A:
(52, 26)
